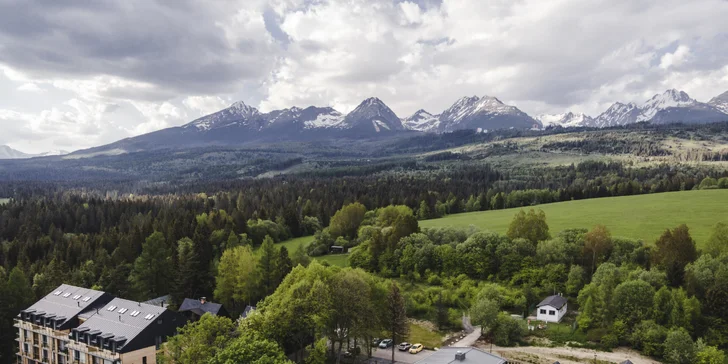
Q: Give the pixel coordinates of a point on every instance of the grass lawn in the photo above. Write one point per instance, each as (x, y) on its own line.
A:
(639, 217)
(560, 333)
(422, 335)
(340, 260)
(293, 244)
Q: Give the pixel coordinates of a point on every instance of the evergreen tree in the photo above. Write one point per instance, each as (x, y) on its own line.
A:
(203, 252)
(396, 321)
(153, 269)
(266, 271)
(283, 265)
(186, 280)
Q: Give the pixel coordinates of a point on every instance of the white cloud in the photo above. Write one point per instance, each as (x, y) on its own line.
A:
(676, 58)
(137, 75)
(157, 116)
(205, 104)
(30, 87)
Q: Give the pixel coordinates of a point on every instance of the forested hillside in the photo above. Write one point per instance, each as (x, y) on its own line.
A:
(210, 233)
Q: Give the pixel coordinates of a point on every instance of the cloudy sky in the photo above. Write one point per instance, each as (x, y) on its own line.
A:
(77, 73)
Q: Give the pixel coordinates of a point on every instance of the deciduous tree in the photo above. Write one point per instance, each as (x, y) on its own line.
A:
(675, 249)
(530, 226)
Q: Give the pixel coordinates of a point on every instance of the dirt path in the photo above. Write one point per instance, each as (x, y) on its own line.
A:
(566, 355)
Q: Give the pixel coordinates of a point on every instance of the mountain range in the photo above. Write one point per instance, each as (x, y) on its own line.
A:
(9, 153)
(669, 107)
(241, 123)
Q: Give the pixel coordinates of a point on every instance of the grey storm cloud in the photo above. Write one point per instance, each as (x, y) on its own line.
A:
(176, 45)
(165, 62)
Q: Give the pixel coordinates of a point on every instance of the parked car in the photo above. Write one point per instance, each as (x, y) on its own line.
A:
(385, 343)
(352, 352)
(416, 348)
(376, 341)
(404, 346)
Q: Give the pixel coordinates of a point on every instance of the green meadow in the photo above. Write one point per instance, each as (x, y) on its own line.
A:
(642, 217)
(333, 259)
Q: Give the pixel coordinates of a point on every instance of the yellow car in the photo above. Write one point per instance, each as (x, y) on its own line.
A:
(416, 348)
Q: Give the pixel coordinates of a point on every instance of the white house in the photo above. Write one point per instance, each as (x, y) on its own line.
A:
(551, 309)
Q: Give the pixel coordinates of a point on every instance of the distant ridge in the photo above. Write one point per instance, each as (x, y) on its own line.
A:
(241, 123)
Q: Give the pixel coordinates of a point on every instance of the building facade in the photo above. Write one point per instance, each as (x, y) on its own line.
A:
(551, 309)
(74, 325)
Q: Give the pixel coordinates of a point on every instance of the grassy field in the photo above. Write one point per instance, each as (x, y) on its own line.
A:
(293, 244)
(421, 335)
(340, 260)
(640, 217)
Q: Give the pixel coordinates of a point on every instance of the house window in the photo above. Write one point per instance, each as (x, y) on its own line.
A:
(552, 313)
(144, 360)
(543, 311)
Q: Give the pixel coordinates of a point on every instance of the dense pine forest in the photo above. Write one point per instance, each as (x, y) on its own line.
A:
(217, 237)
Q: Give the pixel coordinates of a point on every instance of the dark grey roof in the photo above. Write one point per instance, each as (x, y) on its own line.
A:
(129, 324)
(160, 301)
(554, 301)
(472, 356)
(200, 308)
(68, 302)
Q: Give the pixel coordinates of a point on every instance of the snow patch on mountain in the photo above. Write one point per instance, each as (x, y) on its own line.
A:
(238, 113)
(485, 112)
(9, 153)
(421, 120)
(372, 114)
(333, 119)
(566, 120)
(720, 102)
(670, 98)
(617, 114)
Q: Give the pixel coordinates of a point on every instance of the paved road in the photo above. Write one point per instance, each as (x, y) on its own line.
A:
(469, 339)
(401, 356)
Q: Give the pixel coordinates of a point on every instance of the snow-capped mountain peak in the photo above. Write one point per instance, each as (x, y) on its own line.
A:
(9, 153)
(421, 120)
(374, 114)
(484, 113)
(239, 113)
(569, 119)
(669, 98)
(242, 108)
(720, 102)
(617, 114)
